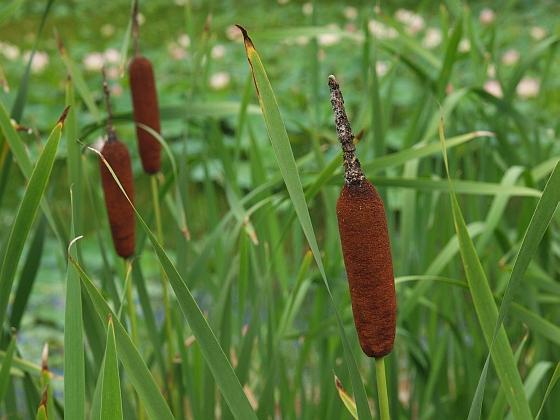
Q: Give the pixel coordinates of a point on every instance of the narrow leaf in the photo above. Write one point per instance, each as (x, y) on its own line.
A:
(111, 403)
(26, 214)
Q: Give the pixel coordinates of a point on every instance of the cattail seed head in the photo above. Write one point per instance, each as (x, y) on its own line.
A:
(120, 212)
(367, 257)
(146, 111)
(366, 248)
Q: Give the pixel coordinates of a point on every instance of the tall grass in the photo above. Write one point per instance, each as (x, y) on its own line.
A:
(261, 322)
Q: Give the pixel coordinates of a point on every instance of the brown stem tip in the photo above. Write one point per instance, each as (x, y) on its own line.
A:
(353, 172)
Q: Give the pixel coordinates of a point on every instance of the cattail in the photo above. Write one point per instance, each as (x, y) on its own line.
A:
(145, 104)
(365, 245)
(120, 212)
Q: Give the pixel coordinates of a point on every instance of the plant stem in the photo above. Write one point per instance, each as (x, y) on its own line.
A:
(133, 323)
(382, 388)
(159, 234)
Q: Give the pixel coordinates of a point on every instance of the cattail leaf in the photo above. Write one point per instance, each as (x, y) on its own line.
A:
(286, 162)
(18, 149)
(26, 213)
(460, 187)
(136, 369)
(345, 398)
(487, 313)
(111, 403)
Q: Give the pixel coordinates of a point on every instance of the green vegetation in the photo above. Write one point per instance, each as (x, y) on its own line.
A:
(235, 303)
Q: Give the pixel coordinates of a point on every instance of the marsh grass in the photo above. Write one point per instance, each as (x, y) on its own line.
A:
(465, 160)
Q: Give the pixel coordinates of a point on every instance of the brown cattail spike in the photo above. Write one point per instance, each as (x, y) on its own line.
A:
(145, 105)
(120, 212)
(365, 245)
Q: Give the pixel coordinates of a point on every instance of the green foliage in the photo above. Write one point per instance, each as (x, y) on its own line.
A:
(243, 226)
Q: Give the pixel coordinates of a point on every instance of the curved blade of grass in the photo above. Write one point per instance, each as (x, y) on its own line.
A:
(111, 404)
(345, 398)
(17, 148)
(487, 313)
(132, 361)
(217, 361)
(26, 214)
(283, 151)
(460, 187)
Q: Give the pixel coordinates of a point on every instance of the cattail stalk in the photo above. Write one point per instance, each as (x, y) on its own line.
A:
(144, 103)
(121, 214)
(365, 245)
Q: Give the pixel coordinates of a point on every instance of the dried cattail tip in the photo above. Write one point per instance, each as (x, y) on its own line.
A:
(365, 246)
(121, 214)
(145, 105)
